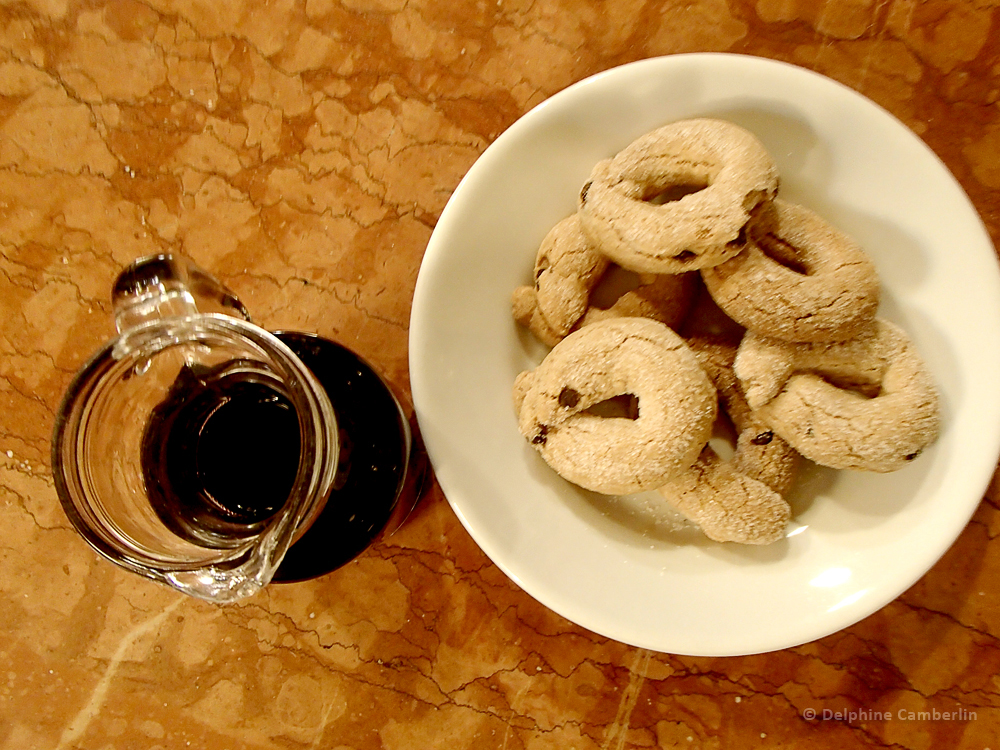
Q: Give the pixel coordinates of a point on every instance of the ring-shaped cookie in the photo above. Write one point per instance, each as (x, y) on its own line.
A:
(798, 279)
(621, 357)
(865, 403)
(677, 198)
(567, 267)
(740, 498)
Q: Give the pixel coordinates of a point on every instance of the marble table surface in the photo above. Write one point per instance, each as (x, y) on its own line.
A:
(302, 151)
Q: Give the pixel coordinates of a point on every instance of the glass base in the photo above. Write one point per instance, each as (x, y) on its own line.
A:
(382, 471)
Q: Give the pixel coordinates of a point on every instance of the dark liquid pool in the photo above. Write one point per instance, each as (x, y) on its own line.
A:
(220, 455)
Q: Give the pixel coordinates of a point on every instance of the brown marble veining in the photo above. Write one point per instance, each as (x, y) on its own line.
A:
(302, 150)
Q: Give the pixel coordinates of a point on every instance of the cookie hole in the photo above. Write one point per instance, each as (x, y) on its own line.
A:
(541, 267)
(724, 436)
(684, 256)
(658, 195)
(625, 406)
(782, 253)
(615, 282)
(741, 238)
(753, 199)
(864, 388)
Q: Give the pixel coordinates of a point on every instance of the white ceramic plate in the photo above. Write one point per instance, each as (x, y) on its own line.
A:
(621, 567)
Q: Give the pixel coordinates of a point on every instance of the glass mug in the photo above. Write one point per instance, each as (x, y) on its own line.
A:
(204, 452)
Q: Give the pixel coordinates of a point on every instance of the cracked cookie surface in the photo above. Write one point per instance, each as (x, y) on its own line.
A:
(567, 267)
(866, 403)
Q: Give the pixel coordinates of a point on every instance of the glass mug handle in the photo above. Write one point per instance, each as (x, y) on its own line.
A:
(164, 286)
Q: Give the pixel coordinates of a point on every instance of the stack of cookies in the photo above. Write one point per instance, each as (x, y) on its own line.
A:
(685, 291)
